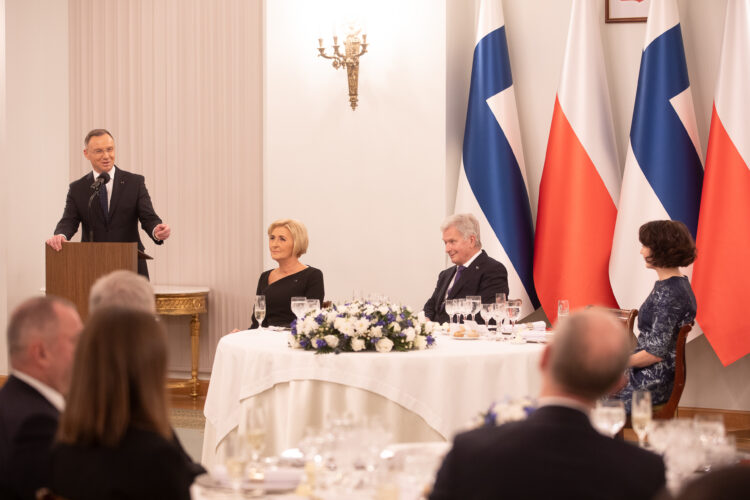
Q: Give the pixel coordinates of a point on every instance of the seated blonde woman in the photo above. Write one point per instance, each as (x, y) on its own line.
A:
(287, 242)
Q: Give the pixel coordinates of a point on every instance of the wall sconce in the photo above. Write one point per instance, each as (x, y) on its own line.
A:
(353, 49)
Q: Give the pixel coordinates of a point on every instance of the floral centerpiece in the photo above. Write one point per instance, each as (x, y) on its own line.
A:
(362, 326)
(509, 410)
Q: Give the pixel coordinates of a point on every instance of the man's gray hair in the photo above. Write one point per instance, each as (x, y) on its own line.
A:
(124, 289)
(589, 353)
(35, 316)
(466, 224)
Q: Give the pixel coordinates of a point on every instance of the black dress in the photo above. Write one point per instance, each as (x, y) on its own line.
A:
(142, 465)
(306, 283)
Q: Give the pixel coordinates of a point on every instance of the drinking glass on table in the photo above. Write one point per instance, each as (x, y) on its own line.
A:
(313, 305)
(450, 309)
(259, 308)
(608, 417)
(499, 313)
(641, 414)
(486, 314)
(460, 305)
(299, 306)
(475, 304)
(513, 311)
(252, 430)
(563, 309)
(236, 457)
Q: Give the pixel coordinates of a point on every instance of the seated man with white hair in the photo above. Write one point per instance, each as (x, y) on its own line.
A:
(122, 288)
(474, 272)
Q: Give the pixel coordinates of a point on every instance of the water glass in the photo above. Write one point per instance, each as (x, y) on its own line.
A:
(608, 417)
(486, 314)
(299, 306)
(252, 429)
(513, 311)
(563, 309)
(259, 308)
(501, 298)
(460, 305)
(499, 313)
(475, 304)
(450, 309)
(313, 305)
(235, 458)
(641, 414)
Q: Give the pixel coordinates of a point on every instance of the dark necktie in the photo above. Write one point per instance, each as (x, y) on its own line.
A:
(459, 270)
(103, 195)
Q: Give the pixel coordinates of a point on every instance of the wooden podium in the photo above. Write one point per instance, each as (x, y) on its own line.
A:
(72, 270)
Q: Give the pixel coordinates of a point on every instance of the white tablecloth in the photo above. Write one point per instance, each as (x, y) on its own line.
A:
(441, 388)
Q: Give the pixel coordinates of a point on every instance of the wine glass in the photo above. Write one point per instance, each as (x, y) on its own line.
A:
(563, 309)
(513, 311)
(460, 305)
(499, 313)
(235, 459)
(486, 314)
(299, 306)
(450, 309)
(608, 417)
(253, 432)
(475, 304)
(641, 414)
(501, 298)
(259, 309)
(312, 305)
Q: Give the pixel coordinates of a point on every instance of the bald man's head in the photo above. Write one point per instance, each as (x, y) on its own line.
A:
(589, 354)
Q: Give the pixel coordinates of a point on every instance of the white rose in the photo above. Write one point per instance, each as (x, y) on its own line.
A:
(358, 344)
(410, 333)
(429, 327)
(384, 345)
(331, 317)
(396, 327)
(421, 317)
(409, 309)
(361, 325)
(420, 342)
(376, 332)
(293, 342)
(332, 341)
(383, 309)
(369, 309)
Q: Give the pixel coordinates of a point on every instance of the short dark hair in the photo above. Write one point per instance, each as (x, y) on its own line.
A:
(97, 132)
(36, 314)
(670, 243)
(580, 368)
(119, 379)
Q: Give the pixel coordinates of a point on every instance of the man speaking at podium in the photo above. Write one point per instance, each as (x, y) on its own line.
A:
(108, 202)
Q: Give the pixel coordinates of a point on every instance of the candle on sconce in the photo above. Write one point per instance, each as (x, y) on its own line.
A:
(335, 40)
(320, 41)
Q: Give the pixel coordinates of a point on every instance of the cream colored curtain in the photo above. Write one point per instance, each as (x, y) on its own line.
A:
(179, 85)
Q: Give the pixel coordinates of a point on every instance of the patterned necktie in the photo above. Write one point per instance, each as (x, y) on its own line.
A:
(459, 270)
(103, 195)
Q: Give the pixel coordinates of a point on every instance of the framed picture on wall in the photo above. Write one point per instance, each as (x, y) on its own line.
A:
(626, 11)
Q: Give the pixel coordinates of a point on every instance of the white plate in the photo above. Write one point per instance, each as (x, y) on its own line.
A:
(276, 484)
(465, 338)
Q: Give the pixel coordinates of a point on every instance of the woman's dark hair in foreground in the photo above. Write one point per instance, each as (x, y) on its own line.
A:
(119, 379)
(670, 243)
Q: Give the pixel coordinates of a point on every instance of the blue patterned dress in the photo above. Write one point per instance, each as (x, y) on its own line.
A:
(669, 306)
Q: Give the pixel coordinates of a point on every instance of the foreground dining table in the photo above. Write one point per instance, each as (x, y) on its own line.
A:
(424, 395)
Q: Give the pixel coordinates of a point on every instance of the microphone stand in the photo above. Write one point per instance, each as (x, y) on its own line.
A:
(95, 186)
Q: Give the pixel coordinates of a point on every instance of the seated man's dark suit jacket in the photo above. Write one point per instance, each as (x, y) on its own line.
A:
(485, 276)
(129, 204)
(554, 453)
(28, 423)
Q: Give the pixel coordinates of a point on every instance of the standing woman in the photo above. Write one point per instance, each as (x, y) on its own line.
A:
(114, 438)
(667, 246)
(287, 242)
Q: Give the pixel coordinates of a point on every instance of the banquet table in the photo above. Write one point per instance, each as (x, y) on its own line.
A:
(423, 395)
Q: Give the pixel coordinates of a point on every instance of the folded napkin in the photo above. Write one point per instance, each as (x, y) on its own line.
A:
(538, 326)
(534, 336)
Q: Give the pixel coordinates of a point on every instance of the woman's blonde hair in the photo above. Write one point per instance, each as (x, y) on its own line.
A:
(119, 379)
(299, 234)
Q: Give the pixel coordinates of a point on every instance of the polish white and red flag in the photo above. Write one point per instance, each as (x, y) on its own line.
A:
(581, 178)
(722, 269)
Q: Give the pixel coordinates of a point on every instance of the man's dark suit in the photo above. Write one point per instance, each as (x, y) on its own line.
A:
(129, 204)
(28, 423)
(554, 453)
(485, 276)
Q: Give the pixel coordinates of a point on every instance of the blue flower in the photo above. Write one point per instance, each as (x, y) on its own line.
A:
(320, 343)
(403, 316)
(409, 323)
(320, 318)
(430, 340)
(490, 419)
(390, 317)
(304, 342)
(402, 334)
(374, 340)
(380, 323)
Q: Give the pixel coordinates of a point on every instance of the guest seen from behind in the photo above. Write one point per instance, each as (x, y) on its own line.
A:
(473, 273)
(287, 242)
(114, 439)
(42, 336)
(555, 452)
(667, 246)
